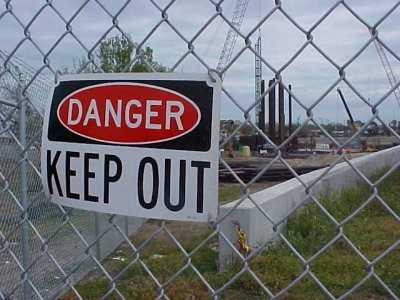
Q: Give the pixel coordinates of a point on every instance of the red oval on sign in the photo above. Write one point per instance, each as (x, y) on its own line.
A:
(128, 113)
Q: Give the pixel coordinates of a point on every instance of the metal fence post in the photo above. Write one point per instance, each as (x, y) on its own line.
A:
(23, 186)
(97, 235)
(126, 226)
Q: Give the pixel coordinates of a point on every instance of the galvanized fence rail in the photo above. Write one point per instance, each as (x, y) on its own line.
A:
(46, 249)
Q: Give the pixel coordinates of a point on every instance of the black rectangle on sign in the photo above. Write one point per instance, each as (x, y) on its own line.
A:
(197, 139)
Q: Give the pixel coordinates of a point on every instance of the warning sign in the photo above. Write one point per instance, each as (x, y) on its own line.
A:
(134, 144)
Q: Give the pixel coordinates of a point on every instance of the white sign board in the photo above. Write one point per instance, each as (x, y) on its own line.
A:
(134, 144)
(322, 147)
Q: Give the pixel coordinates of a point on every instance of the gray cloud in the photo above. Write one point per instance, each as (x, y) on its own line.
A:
(340, 36)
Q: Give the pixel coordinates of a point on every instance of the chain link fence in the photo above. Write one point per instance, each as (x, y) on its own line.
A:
(49, 251)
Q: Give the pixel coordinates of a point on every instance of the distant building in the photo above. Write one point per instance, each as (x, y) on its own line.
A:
(338, 133)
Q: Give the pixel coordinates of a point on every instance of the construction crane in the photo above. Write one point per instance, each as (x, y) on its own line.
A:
(360, 145)
(351, 121)
(227, 50)
(231, 37)
(258, 79)
(387, 67)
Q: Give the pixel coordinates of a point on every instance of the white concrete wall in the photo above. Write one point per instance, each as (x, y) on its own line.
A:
(279, 200)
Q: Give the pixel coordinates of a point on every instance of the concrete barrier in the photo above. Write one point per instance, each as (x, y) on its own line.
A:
(279, 200)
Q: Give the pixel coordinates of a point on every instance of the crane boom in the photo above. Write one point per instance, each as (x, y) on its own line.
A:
(231, 37)
(351, 122)
(258, 79)
(387, 67)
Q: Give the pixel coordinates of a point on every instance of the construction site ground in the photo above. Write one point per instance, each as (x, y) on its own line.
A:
(249, 167)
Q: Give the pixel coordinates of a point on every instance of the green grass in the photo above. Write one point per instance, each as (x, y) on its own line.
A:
(338, 267)
(229, 192)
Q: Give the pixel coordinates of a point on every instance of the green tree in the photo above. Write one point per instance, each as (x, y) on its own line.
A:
(116, 53)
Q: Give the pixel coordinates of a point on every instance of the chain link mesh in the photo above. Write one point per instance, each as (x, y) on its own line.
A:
(48, 250)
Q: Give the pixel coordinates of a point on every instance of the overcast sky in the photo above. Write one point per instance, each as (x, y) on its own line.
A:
(340, 36)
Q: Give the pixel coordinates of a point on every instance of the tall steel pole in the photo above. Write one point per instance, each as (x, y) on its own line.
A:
(271, 112)
(290, 110)
(23, 187)
(281, 114)
(262, 108)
